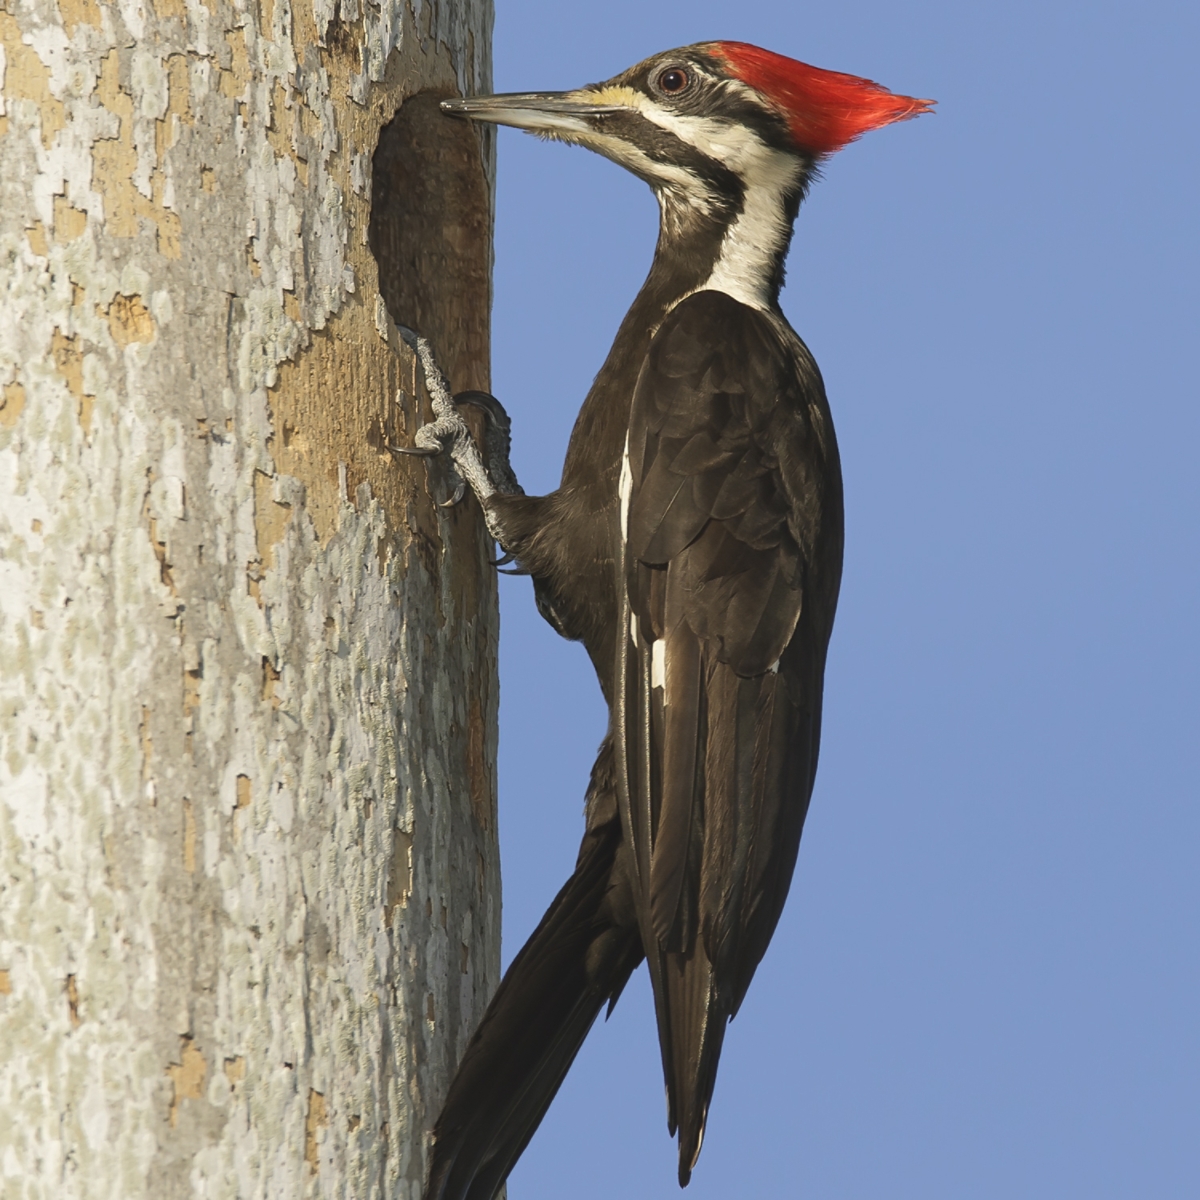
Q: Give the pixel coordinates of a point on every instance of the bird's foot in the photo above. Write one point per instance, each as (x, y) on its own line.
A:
(449, 432)
(497, 440)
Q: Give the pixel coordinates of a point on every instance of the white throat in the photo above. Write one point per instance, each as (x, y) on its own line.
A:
(752, 245)
(745, 265)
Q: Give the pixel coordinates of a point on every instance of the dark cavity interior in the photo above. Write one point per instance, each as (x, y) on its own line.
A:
(430, 233)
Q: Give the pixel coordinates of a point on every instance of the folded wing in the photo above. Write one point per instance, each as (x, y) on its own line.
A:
(731, 539)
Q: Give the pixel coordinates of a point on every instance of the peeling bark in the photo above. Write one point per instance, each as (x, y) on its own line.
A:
(249, 878)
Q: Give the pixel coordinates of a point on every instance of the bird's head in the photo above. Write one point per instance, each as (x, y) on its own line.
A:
(686, 119)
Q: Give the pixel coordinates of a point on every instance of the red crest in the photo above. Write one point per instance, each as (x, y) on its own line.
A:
(825, 110)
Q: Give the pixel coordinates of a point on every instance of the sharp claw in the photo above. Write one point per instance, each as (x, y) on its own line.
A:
(459, 493)
(503, 562)
(515, 571)
(417, 451)
(488, 404)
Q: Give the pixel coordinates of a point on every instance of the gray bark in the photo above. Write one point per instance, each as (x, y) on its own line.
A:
(249, 882)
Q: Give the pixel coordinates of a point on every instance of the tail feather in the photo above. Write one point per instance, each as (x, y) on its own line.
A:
(696, 987)
(698, 1014)
(577, 959)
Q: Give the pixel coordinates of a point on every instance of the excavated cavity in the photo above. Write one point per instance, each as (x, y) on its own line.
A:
(430, 232)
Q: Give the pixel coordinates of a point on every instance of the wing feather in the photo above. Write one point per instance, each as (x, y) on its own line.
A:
(731, 465)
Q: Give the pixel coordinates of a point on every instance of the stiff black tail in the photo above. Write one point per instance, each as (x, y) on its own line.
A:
(578, 959)
(692, 1016)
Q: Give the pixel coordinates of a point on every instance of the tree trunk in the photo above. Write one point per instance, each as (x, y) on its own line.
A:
(249, 884)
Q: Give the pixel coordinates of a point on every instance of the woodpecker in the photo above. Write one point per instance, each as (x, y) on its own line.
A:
(695, 548)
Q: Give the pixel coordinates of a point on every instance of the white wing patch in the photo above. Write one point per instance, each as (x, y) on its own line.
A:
(658, 663)
(625, 490)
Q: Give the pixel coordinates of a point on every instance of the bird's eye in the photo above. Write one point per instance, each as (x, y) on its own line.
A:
(673, 81)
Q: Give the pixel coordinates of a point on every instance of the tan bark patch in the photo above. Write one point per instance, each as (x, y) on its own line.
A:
(270, 518)
(78, 12)
(189, 838)
(166, 129)
(235, 1070)
(26, 77)
(38, 242)
(69, 221)
(12, 405)
(286, 124)
(279, 127)
(129, 321)
(236, 76)
(115, 158)
(114, 162)
(187, 1075)
(68, 360)
(72, 1001)
(243, 791)
(159, 547)
(170, 231)
(5, 984)
(317, 1119)
(400, 874)
(270, 679)
(165, 9)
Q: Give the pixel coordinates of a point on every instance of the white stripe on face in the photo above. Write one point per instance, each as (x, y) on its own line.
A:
(672, 182)
(755, 239)
(753, 242)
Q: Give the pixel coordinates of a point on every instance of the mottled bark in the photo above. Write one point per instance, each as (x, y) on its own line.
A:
(249, 886)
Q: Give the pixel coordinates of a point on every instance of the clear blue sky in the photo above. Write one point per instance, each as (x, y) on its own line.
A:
(987, 980)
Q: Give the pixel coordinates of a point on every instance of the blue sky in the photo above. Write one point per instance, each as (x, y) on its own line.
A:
(986, 983)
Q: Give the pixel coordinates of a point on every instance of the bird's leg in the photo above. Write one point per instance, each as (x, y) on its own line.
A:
(497, 440)
(448, 431)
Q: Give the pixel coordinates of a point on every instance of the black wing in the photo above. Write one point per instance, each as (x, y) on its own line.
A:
(730, 559)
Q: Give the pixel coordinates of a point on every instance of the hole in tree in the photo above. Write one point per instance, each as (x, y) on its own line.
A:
(430, 234)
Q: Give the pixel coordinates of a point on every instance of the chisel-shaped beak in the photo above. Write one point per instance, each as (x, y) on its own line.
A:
(556, 113)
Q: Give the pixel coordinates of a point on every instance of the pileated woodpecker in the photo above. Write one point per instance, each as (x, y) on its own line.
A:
(695, 547)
